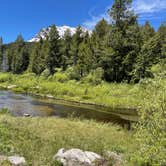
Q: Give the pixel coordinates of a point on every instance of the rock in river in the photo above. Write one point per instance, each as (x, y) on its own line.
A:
(11, 86)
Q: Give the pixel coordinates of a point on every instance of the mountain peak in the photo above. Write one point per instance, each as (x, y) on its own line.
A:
(61, 29)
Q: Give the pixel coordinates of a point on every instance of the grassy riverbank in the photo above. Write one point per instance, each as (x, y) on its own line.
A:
(39, 139)
(114, 95)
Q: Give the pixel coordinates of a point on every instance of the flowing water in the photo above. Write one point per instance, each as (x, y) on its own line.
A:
(20, 104)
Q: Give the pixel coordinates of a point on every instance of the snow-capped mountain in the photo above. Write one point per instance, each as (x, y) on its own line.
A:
(61, 29)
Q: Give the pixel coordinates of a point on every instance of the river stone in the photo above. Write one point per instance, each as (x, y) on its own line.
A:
(76, 157)
(50, 96)
(116, 160)
(26, 115)
(13, 160)
(17, 161)
(11, 86)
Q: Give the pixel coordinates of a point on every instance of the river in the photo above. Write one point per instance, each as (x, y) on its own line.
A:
(21, 104)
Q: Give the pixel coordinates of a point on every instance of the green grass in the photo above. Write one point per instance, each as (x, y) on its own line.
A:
(39, 139)
(114, 95)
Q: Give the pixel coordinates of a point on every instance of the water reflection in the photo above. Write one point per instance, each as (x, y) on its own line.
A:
(20, 105)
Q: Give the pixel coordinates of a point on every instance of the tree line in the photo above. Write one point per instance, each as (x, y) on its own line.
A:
(123, 49)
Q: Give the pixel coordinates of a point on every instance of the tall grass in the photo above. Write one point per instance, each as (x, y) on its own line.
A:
(151, 130)
(39, 139)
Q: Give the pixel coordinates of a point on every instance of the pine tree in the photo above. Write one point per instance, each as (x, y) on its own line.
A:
(38, 57)
(20, 56)
(1, 52)
(102, 28)
(84, 57)
(76, 41)
(147, 32)
(162, 35)
(54, 58)
(122, 14)
(150, 54)
(98, 42)
(66, 49)
(124, 40)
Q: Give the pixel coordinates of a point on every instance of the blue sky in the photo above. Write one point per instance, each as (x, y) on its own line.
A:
(29, 16)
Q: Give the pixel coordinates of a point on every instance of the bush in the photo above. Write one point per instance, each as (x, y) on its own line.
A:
(151, 129)
(4, 111)
(5, 77)
(145, 82)
(73, 73)
(45, 74)
(94, 77)
(159, 70)
(61, 77)
(27, 75)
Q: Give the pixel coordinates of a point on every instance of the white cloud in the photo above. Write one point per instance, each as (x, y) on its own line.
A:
(149, 6)
(90, 24)
(146, 9)
(150, 9)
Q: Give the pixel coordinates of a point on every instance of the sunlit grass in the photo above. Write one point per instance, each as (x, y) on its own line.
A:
(109, 94)
(39, 139)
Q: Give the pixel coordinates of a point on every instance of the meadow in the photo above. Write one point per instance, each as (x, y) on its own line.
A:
(38, 139)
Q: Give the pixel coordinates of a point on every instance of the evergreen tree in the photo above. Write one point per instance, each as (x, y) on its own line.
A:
(66, 49)
(152, 52)
(20, 56)
(122, 14)
(76, 41)
(54, 58)
(98, 42)
(162, 35)
(1, 52)
(147, 32)
(102, 28)
(94, 45)
(38, 57)
(124, 42)
(84, 57)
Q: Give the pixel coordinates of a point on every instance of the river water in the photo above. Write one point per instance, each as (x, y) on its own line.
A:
(21, 104)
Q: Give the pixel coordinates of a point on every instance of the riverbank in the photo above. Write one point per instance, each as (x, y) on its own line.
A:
(30, 137)
(39, 139)
(122, 96)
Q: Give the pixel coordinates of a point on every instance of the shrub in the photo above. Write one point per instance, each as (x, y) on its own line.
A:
(4, 111)
(73, 73)
(159, 70)
(151, 129)
(4, 77)
(94, 77)
(45, 73)
(145, 82)
(61, 77)
(27, 75)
